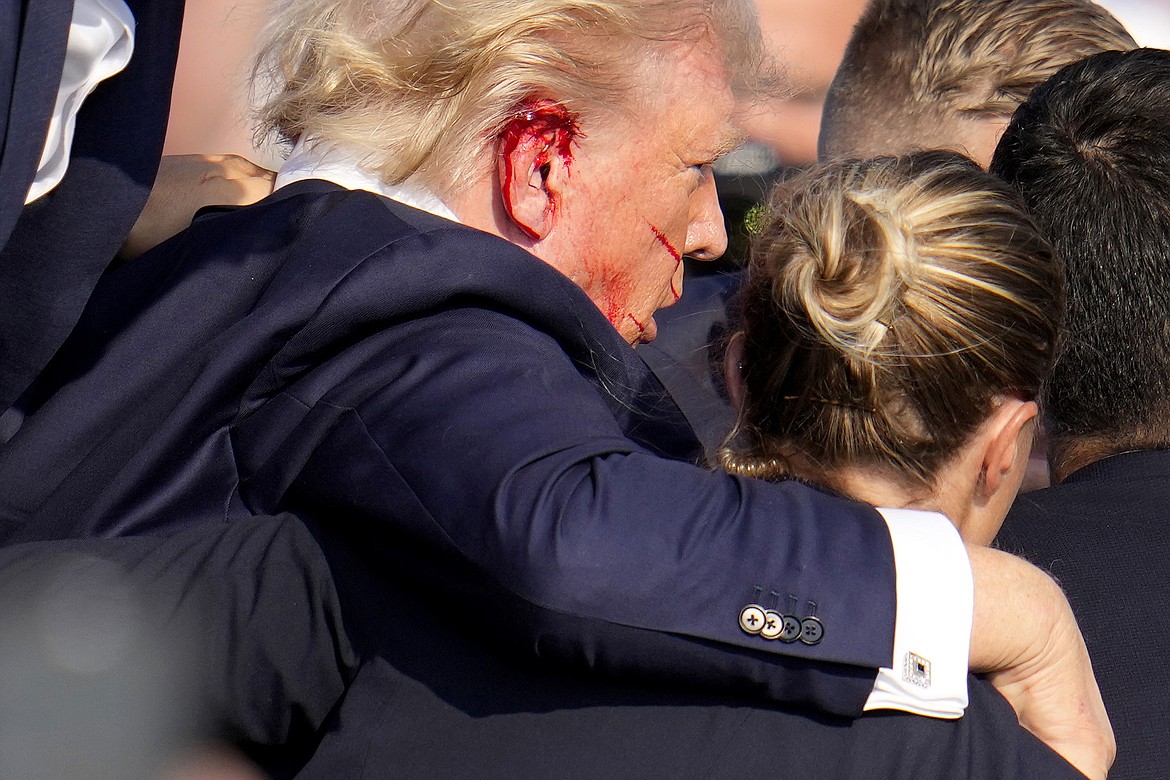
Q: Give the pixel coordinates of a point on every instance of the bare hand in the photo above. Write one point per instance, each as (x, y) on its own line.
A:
(1026, 638)
(185, 184)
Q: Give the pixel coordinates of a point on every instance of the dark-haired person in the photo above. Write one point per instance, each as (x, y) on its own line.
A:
(947, 74)
(1090, 154)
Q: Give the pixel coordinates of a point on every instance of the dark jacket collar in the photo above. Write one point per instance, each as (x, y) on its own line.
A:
(1137, 464)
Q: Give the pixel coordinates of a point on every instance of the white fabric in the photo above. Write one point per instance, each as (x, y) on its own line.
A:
(320, 160)
(936, 602)
(101, 40)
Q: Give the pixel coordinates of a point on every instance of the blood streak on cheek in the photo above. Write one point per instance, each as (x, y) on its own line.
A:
(617, 287)
(662, 239)
(541, 128)
(611, 289)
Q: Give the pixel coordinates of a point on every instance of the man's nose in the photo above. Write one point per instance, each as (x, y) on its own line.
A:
(706, 233)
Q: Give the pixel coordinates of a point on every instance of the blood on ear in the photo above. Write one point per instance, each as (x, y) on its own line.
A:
(539, 130)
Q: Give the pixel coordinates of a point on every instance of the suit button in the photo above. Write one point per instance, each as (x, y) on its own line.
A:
(790, 632)
(773, 625)
(812, 631)
(752, 619)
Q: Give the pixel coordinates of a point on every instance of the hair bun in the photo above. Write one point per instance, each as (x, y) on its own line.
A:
(889, 301)
(858, 257)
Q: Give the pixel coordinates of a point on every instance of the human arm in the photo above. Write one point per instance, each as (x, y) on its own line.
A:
(576, 571)
(541, 492)
(188, 182)
(225, 631)
(1025, 637)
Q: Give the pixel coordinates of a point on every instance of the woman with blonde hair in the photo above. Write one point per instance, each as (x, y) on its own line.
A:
(899, 318)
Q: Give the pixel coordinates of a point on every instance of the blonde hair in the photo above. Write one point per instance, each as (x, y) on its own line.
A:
(888, 303)
(918, 64)
(420, 86)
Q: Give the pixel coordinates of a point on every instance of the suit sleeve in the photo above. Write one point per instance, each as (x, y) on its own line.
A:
(470, 447)
(232, 627)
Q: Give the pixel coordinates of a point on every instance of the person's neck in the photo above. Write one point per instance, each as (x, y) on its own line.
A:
(1071, 453)
(871, 484)
(875, 487)
(950, 494)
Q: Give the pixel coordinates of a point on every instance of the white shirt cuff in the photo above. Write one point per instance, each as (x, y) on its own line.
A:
(932, 629)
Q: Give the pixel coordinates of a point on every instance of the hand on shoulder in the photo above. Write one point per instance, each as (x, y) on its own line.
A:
(185, 184)
(1024, 636)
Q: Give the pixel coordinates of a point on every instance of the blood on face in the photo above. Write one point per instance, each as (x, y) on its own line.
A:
(662, 239)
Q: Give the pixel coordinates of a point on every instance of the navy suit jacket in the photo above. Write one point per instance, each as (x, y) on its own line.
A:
(53, 251)
(245, 614)
(454, 407)
(1102, 533)
(431, 703)
(258, 589)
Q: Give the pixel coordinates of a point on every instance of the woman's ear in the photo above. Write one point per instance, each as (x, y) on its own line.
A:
(733, 370)
(1009, 443)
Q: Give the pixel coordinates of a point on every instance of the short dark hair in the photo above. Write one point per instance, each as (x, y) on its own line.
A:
(923, 65)
(1090, 154)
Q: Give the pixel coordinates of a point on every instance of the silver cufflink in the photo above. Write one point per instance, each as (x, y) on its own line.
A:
(916, 670)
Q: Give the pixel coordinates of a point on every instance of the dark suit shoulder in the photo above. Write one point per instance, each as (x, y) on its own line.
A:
(1102, 533)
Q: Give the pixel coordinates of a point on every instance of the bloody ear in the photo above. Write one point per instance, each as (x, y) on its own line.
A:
(535, 154)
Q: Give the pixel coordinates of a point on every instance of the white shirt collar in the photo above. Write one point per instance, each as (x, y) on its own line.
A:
(334, 163)
(101, 40)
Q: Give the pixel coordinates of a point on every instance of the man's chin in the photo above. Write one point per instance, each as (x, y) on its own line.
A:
(649, 333)
(642, 330)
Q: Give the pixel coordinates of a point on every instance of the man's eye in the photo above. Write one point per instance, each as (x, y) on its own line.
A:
(704, 170)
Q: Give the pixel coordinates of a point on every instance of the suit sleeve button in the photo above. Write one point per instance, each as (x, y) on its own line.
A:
(791, 629)
(773, 625)
(812, 631)
(752, 619)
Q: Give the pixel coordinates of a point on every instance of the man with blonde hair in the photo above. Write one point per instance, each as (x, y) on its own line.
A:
(947, 74)
(421, 344)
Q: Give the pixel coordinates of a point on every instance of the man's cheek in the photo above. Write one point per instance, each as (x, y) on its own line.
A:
(674, 254)
(616, 294)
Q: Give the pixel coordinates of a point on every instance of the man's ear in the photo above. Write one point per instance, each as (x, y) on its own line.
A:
(1010, 442)
(733, 370)
(535, 153)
